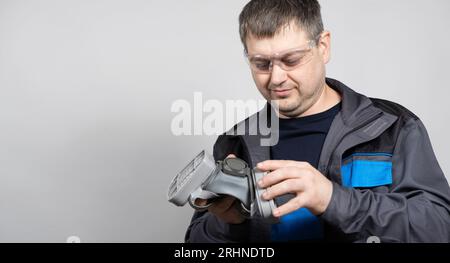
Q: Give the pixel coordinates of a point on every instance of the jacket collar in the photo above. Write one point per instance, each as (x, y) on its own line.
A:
(354, 105)
(356, 109)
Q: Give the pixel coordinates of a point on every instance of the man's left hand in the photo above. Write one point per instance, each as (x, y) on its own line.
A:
(311, 188)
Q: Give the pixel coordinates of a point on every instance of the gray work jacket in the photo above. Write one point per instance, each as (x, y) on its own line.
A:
(386, 179)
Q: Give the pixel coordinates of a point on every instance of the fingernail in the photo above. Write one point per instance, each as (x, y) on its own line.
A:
(259, 165)
(276, 213)
(260, 183)
(265, 195)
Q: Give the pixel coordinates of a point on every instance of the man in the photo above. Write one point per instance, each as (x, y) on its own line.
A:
(346, 167)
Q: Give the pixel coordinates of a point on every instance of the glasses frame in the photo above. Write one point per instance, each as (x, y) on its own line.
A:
(277, 58)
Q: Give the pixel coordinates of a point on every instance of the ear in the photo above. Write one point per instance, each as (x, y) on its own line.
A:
(324, 46)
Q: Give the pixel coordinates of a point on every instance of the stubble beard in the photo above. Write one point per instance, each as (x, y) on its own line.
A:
(297, 104)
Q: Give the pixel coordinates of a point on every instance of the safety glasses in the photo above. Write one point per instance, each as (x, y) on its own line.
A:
(288, 60)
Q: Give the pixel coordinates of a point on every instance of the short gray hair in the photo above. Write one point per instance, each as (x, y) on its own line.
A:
(265, 18)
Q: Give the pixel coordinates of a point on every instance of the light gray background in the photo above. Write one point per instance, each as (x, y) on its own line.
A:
(86, 89)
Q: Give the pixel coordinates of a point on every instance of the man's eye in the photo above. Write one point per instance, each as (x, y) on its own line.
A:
(292, 61)
(262, 64)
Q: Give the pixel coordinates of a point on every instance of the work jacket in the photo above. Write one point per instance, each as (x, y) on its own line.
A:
(386, 180)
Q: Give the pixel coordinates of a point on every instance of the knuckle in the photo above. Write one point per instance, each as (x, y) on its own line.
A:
(284, 187)
(263, 180)
(290, 169)
(306, 164)
(297, 184)
(308, 174)
(298, 203)
(302, 164)
(290, 163)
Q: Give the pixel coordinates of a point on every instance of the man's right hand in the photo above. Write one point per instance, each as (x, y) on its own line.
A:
(225, 208)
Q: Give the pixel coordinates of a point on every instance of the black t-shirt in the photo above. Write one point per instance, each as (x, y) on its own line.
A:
(301, 139)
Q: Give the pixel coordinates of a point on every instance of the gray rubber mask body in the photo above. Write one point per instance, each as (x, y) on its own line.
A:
(203, 178)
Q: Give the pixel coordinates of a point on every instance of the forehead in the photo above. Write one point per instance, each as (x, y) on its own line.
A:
(291, 36)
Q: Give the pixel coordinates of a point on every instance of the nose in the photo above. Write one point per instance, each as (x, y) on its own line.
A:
(278, 76)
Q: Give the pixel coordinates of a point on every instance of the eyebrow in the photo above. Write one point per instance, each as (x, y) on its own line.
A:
(283, 53)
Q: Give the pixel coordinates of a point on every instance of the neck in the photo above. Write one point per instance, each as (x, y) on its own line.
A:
(327, 99)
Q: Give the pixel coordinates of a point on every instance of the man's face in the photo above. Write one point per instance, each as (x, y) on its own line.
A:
(295, 90)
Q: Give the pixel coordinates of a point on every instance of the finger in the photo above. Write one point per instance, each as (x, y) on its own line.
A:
(201, 202)
(222, 205)
(293, 205)
(231, 156)
(282, 188)
(279, 175)
(232, 215)
(271, 165)
(205, 202)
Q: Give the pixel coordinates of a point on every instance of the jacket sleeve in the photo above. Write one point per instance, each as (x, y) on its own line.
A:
(206, 227)
(416, 208)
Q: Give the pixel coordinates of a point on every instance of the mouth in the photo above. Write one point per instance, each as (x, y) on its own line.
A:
(281, 92)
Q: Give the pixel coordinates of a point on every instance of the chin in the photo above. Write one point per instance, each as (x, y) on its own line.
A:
(292, 107)
(288, 103)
